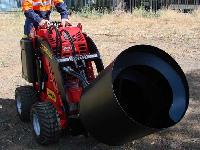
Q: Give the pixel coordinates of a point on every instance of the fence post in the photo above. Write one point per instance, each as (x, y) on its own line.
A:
(113, 4)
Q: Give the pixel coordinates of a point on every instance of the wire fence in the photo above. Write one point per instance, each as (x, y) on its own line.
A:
(111, 5)
(129, 5)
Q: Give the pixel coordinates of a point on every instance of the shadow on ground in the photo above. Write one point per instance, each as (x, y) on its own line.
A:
(15, 134)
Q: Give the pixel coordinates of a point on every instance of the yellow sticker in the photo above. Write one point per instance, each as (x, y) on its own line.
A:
(51, 95)
(45, 50)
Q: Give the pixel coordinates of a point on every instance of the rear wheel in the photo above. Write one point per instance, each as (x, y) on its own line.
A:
(45, 123)
(25, 97)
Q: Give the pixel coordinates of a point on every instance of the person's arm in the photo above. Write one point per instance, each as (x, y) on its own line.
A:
(61, 8)
(27, 8)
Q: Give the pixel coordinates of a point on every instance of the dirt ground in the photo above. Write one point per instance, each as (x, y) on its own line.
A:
(177, 34)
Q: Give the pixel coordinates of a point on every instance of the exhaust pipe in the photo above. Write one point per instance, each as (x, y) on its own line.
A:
(141, 92)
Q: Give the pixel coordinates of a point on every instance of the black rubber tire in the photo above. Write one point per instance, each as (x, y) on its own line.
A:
(26, 96)
(93, 49)
(48, 121)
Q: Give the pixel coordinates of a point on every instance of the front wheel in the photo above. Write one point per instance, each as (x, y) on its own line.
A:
(45, 123)
(93, 50)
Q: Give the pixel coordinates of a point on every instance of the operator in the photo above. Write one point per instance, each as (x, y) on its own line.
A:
(37, 13)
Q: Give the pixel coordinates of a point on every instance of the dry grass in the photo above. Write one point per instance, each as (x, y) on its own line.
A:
(178, 34)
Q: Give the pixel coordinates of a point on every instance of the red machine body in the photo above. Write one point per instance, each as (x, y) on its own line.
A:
(73, 88)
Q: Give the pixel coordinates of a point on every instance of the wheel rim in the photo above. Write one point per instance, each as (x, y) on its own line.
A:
(19, 105)
(36, 124)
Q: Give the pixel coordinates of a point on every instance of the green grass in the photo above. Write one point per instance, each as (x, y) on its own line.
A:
(141, 12)
(88, 12)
